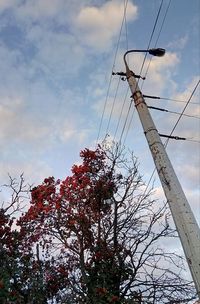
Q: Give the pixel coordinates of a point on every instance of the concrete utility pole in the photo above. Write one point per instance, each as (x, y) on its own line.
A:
(184, 219)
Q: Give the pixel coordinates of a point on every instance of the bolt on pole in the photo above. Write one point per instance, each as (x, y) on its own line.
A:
(185, 222)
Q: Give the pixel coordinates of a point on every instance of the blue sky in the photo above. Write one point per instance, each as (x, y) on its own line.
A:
(56, 60)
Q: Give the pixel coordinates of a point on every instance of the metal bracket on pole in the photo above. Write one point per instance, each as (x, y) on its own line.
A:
(124, 74)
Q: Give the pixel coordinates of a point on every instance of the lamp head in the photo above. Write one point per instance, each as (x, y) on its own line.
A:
(157, 52)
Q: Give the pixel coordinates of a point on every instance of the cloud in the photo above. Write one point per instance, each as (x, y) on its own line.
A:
(97, 26)
(56, 12)
(179, 43)
(34, 170)
(191, 173)
(70, 133)
(40, 8)
(160, 72)
(185, 94)
(56, 53)
(18, 125)
(39, 34)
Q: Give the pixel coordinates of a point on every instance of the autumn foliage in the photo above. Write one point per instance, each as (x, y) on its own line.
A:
(91, 238)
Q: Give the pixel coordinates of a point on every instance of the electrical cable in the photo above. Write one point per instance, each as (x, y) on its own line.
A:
(110, 80)
(193, 140)
(176, 100)
(112, 108)
(161, 28)
(126, 35)
(170, 99)
(166, 12)
(124, 126)
(152, 33)
(196, 86)
(126, 29)
(120, 116)
(129, 125)
(123, 104)
(154, 27)
(173, 112)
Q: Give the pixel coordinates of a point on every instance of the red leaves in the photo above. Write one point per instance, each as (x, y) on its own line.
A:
(73, 206)
(1, 284)
(89, 156)
(64, 217)
(46, 191)
(104, 293)
(81, 169)
(101, 291)
(114, 299)
(6, 234)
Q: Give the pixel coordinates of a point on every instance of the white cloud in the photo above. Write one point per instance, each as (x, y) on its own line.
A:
(45, 12)
(179, 43)
(97, 26)
(40, 8)
(189, 87)
(72, 131)
(113, 108)
(47, 42)
(191, 173)
(34, 170)
(17, 124)
(56, 53)
(160, 72)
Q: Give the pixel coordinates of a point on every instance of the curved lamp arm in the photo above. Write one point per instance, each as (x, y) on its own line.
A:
(159, 52)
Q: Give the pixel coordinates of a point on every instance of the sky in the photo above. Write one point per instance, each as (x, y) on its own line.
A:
(58, 95)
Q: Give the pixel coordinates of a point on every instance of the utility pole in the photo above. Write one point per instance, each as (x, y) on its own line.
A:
(186, 225)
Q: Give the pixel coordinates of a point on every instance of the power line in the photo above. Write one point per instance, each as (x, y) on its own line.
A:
(120, 116)
(126, 28)
(166, 12)
(161, 28)
(114, 101)
(124, 126)
(176, 100)
(112, 108)
(196, 86)
(173, 112)
(193, 140)
(110, 80)
(129, 125)
(152, 33)
(169, 99)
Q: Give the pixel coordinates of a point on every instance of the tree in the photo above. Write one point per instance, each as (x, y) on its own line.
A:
(22, 278)
(95, 237)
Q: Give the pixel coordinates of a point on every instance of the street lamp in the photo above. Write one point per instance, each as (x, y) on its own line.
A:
(182, 214)
(159, 52)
